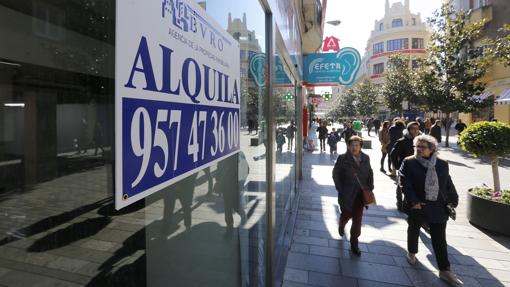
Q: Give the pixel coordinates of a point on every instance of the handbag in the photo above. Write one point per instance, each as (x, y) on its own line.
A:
(450, 210)
(368, 195)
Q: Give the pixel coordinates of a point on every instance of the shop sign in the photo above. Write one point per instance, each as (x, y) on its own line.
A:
(332, 68)
(258, 71)
(331, 43)
(176, 95)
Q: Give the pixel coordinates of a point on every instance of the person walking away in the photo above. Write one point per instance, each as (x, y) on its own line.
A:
(459, 127)
(280, 139)
(323, 135)
(402, 149)
(428, 189)
(384, 138)
(351, 174)
(396, 132)
(291, 133)
(312, 136)
(370, 124)
(347, 133)
(377, 125)
(421, 124)
(428, 125)
(435, 131)
(333, 139)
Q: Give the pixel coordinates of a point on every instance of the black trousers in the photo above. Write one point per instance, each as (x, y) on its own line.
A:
(323, 144)
(437, 233)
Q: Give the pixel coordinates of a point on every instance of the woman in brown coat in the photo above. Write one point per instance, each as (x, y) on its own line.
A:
(351, 174)
(384, 138)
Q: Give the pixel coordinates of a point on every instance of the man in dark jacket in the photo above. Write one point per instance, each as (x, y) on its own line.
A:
(459, 127)
(347, 133)
(435, 131)
(377, 125)
(428, 189)
(323, 135)
(351, 174)
(402, 149)
(395, 133)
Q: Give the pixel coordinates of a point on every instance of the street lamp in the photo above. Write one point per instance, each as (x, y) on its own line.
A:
(334, 22)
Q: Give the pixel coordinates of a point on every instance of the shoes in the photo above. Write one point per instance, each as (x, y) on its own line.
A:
(341, 230)
(450, 277)
(356, 251)
(383, 170)
(411, 258)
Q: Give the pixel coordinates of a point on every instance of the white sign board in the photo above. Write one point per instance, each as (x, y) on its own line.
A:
(176, 95)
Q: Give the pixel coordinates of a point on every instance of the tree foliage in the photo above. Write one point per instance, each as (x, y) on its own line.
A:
(499, 49)
(367, 98)
(486, 139)
(345, 107)
(398, 85)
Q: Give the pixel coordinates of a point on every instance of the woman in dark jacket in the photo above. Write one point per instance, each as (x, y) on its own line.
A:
(428, 188)
(351, 173)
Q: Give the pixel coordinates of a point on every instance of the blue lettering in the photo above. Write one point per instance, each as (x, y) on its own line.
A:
(206, 83)
(167, 72)
(185, 79)
(143, 53)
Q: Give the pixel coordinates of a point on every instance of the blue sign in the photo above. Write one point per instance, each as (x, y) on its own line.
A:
(258, 70)
(332, 68)
(176, 95)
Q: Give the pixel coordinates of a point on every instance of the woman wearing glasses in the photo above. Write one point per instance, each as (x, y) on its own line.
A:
(428, 189)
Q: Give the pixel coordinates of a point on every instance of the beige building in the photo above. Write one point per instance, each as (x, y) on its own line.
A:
(398, 32)
(498, 77)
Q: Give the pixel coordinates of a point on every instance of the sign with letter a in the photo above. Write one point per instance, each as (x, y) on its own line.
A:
(177, 77)
(331, 43)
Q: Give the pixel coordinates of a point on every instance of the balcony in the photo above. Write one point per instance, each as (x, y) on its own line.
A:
(483, 12)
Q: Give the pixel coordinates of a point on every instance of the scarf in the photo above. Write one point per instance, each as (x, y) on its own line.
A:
(431, 181)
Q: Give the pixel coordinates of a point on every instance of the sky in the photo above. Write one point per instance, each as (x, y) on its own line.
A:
(358, 17)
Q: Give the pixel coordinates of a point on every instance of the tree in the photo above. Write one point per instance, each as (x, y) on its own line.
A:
(500, 48)
(345, 107)
(450, 76)
(367, 98)
(398, 85)
(490, 139)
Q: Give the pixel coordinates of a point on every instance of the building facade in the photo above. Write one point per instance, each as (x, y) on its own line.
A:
(229, 224)
(497, 78)
(398, 32)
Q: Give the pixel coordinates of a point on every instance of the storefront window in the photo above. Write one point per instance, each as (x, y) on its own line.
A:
(59, 225)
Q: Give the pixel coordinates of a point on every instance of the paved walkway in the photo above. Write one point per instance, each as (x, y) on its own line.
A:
(319, 257)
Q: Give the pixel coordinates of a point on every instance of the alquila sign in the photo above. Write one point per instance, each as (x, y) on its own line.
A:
(177, 95)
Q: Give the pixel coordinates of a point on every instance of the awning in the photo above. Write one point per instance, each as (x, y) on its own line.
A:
(504, 98)
(482, 97)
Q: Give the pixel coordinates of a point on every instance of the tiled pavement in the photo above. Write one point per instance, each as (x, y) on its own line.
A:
(319, 257)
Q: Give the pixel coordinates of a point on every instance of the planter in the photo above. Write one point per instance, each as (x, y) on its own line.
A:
(488, 214)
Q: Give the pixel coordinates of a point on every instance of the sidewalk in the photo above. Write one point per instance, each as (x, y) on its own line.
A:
(319, 257)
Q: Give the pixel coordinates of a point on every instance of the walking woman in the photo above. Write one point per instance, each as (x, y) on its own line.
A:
(384, 138)
(351, 174)
(428, 189)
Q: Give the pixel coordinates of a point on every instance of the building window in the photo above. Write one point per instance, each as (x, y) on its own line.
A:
(414, 21)
(378, 68)
(381, 26)
(378, 48)
(398, 44)
(415, 64)
(236, 35)
(417, 43)
(396, 23)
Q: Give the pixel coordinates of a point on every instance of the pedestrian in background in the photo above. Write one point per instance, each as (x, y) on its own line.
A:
(435, 131)
(333, 139)
(428, 189)
(347, 133)
(352, 173)
(459, 127)
(323, 135)
(377, 125)
(402, 149)
(396, 132)
(428, 125)
(370, 124)
(384, 138)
